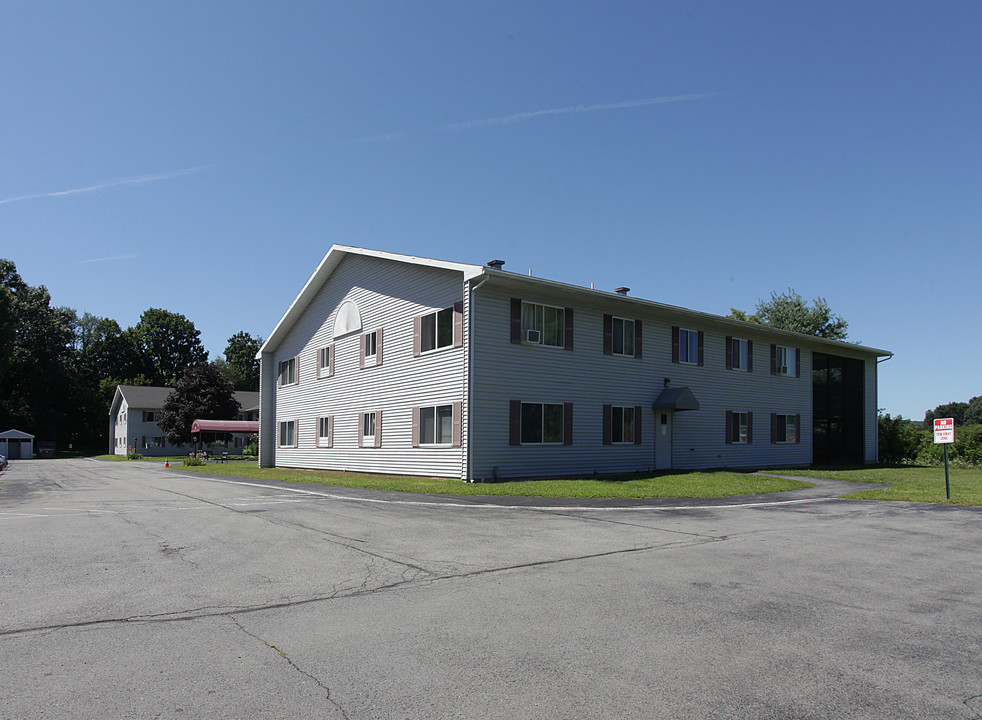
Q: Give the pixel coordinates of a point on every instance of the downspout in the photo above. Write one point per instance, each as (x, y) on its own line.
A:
(876, 445)
(468, 477)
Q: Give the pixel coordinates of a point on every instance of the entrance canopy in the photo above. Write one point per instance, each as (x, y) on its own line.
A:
(680, 398)
(225, 426)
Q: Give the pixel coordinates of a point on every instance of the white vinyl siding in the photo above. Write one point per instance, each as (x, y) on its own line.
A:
(388, 295)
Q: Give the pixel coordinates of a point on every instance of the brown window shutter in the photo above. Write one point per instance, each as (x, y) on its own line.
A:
(361, 352)
(675, 343)
(378, 428)
(637, 338)
(568, 331)
(608, 334)
(773, 359)
(296, 433)
(417, 343)
(458, 423)
(608, 409)
(750, 428)
(361, 429)
(458, 324)
(296, 365)
(330, 431)
(637, 424)
(750, 355)
(330, 360)
(516, 320)
(567, 423)
(729, 427)
(515, 422)
(797, 429)
(415, 426)
(700, 347)
(729, 352)
(317, 364)
(378, 347)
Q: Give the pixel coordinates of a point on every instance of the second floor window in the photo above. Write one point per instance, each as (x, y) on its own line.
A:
(543, 325)
(436, 329)
(622, 336)
(371, 345)
(288, 372)
(689, 346)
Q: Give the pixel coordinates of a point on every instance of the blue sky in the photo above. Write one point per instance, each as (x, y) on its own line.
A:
(203, 156)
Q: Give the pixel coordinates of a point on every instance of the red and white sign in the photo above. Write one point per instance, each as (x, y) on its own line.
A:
(944, 431)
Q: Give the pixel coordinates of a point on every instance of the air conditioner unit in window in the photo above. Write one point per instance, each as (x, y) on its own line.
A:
(532, 336)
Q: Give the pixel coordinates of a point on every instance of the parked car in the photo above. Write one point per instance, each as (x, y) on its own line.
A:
(3, 463)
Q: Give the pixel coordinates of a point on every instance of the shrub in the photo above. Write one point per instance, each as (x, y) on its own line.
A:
(966, 450)
(251, 450)
(192, 461)
(133, 455)
(900, 440)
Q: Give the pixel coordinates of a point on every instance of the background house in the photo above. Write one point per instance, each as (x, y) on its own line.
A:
(399, 364)
(133, 420)
(15, 444)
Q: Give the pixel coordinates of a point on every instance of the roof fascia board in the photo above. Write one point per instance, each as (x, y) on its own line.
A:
(327, 266)
(696, 316)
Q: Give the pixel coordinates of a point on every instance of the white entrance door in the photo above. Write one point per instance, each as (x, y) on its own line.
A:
(663, 439)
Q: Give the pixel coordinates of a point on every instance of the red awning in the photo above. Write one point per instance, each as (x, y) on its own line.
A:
(223, 426)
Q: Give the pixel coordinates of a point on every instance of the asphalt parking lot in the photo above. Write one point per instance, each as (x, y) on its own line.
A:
(130, 591)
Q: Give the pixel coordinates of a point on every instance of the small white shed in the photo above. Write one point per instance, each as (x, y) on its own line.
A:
(16, 445)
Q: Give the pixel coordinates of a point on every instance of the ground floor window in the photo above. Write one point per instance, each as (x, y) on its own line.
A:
(785, 428)
(542, 423)
(288, 433)
(436, 425)
(739, 427)
(325, 431)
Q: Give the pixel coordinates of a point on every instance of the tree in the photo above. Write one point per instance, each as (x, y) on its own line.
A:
(900, 439)
(202, 392)
(789, 311)
(38, 385)
(953, 410)
(241, 364)
(169, 344)
(973, 414)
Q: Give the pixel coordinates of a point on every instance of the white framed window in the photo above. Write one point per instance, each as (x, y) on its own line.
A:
(785, 360)
(436, 330)
(288, 433)
(436, 425)
(688, 346)
(370, 429)
(543, 325)
(325, 362)
(739, 354)
(288, 372)
(542, 423)
(325, 431)
(153, 442)
(784, 428)
(622, 336)
(371, 349)
(622, 424)
(739, 428)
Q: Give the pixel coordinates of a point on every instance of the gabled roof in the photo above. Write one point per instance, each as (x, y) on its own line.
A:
(329, 264)
(151, 397)
(16, 435)
(520, 281)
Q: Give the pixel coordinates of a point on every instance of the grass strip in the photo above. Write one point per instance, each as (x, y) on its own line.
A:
(910, 483)
(662, 485)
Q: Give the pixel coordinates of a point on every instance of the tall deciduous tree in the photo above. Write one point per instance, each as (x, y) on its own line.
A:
(241, 364)
(202, 392)
(37, 385)
(789, 311)
(169, 343)
(954, 410)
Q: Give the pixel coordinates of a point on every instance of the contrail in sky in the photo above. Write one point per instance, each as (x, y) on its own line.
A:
(108, 184)
(107, 259)
(571, 110)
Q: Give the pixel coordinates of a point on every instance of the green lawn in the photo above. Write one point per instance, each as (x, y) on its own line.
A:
(910, 483)
(666, 485)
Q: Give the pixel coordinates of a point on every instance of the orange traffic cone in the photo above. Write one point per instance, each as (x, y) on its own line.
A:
(167, 462)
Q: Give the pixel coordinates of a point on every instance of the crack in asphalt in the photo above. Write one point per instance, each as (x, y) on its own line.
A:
(292, 664)
(212, 611)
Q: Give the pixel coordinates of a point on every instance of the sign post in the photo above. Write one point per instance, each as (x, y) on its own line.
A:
(944, 434)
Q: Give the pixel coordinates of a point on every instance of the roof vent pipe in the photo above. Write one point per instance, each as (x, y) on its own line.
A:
(496, 264)
(622, 290)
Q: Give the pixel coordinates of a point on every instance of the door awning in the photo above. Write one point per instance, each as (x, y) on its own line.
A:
(680, 398)
(223, 426)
